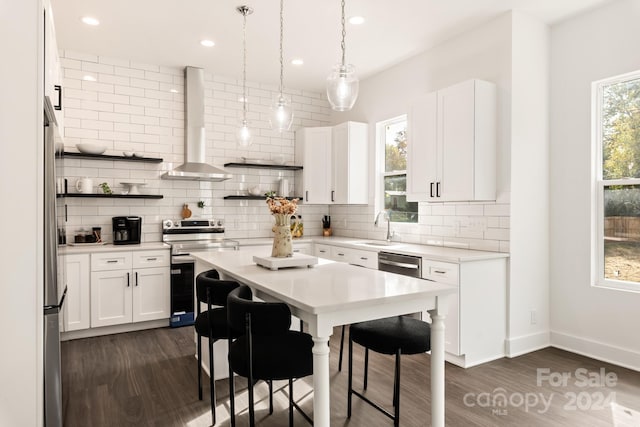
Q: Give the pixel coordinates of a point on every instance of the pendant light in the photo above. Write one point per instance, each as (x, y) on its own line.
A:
(281, 113)
(243, 135)
(342, 83)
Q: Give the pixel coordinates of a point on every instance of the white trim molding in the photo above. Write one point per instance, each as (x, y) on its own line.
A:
(597, 350)
(526, 344)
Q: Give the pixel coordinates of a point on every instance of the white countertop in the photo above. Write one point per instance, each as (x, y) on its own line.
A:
(326, 287)
(438, 253)
(110, 247)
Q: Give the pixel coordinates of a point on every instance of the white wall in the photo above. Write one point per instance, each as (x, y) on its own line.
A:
(529, 260)
(130, 107)
(21, 191)
(597, 322)
(483, 53)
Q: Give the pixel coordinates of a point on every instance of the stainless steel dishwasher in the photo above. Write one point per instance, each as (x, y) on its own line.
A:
(407, 265)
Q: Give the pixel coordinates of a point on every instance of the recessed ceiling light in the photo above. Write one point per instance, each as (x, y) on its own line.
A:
(356, 20)
(207, 43)
(89, 78)
(297, 61)
(90, 21)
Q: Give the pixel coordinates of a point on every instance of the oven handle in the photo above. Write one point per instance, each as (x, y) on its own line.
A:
(399, 264)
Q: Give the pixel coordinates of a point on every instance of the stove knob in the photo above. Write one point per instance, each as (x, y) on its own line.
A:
(219, 223)
(168, 224)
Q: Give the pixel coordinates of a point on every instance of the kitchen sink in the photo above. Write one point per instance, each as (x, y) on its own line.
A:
(379, 244)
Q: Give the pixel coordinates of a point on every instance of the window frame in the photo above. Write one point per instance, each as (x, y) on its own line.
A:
(598, 220)
(381, 172)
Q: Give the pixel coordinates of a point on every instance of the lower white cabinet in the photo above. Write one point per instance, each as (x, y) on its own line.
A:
(368, 259)
(302, 248)
(475, 325)
(76, 307)
(129, 287)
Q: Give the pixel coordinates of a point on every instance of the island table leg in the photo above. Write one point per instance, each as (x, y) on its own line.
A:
(437, 368)
(321, 386)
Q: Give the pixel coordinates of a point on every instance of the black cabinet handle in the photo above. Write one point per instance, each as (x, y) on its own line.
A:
(128, 283)
(66, 216)
(306, 196)
(136, 278)
(58, 89)
(431, 189)
(332, 195)
(112, 261)
(437, 189)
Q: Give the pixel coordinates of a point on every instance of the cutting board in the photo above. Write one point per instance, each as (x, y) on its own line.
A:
(297, 260)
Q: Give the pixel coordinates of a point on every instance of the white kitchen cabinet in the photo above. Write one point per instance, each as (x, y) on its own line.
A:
(129, 287)
(475, 325)
(322, 251)
(76, 307)
(313, 152)
(334, 161)
(349, 162)
(451, 155)
(368, 259)
(52, 67)
(302, 248)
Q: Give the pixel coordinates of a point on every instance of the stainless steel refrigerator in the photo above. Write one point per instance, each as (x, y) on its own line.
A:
(54, 292)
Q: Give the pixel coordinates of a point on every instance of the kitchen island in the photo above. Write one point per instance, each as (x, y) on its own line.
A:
(332, 294)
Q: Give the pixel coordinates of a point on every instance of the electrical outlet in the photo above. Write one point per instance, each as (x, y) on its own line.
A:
(534, 317)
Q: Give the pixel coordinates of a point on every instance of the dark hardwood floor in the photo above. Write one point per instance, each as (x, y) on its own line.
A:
(149, 378)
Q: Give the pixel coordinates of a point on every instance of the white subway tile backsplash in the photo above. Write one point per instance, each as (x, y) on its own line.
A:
(131, 107)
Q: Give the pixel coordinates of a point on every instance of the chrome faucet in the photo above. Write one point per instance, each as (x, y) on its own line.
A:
(387, 214)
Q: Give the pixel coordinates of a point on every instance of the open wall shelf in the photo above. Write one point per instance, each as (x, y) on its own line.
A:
(254, 198)
(110, 157)
(262, 166)
(113, 196)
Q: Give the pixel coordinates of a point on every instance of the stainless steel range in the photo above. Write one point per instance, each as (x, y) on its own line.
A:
(185, 238)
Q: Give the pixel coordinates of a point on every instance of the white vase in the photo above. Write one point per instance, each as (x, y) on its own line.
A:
(282, 247)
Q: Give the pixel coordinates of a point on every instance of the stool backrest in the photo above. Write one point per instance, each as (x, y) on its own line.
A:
(267, 318)
(210, 289)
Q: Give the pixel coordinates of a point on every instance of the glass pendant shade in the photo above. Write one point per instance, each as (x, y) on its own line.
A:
(281, 113)
(342, 87)
(243, 135)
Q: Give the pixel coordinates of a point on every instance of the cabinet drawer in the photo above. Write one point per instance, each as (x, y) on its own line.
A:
(443, 272)
(302, 248)
(145, 259)
(340, 254)
(368, 259)
(111, 261)
(322, 251)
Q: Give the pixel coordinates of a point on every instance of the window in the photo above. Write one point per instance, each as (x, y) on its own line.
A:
(392, 135)
(617, 131)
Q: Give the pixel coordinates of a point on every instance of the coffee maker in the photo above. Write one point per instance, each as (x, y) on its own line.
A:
(126, 230)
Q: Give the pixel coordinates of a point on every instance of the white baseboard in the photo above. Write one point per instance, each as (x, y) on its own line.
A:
(115, 329)
(526, 344)
(597, 350)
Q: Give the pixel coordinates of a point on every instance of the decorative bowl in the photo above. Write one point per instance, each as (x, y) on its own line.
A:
(127, 153)
(255, 191)
(91, 148)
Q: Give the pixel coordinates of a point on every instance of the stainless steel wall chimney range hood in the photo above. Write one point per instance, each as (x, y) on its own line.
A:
(194, 167)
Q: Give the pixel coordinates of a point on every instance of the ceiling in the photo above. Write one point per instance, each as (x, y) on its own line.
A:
(168, 32)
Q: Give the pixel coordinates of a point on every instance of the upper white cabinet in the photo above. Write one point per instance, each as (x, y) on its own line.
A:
(52, 67)
(313, 152)
(350, 161)
(452, 151)
(334, 161)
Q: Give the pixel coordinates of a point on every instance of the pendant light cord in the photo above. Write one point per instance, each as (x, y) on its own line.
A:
(244, 65)
(281, 37)
(344, 34)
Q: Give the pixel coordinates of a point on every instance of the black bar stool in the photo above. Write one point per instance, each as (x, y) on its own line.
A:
(212, 323)
(394, 335)
(265, 348)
